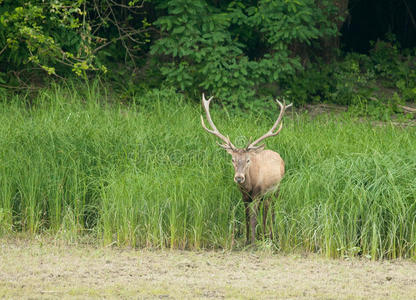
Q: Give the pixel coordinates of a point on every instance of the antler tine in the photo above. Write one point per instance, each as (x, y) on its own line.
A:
(272, 131)
(214, 130)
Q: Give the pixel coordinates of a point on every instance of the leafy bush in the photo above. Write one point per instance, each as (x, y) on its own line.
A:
(351, 79)
(406, 78)
(60, 36)
(338, 82)
(243, 52)
(311, 85)
(395, 66)
(202, 49)
(386, 58)
(45, 35)
(372, 85)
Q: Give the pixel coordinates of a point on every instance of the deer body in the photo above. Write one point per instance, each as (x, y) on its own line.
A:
(264, 173)
(257, 171)
(257, 174)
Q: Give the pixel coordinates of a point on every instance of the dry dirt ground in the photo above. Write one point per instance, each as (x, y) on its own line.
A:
(34, 269)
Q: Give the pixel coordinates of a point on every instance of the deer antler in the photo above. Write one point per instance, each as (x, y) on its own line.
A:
(271, 132)
(214, 130)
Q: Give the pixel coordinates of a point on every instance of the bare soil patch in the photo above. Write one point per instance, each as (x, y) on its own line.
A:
(34, 269)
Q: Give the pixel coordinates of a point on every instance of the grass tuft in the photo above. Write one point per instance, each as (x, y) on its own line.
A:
(73, 162)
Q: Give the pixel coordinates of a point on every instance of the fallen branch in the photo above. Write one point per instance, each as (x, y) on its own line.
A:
(408, 109)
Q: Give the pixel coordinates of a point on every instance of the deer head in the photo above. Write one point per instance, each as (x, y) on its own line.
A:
(241, 157)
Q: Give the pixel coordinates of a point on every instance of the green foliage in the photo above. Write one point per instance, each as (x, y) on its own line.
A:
(385, 57)
(202, 49)
(60, 36)
(338, 82)
(242, 52)
(396, 67)
(405, 77)
(311, 85)
(45, 35)
(351, 78)
(373, 85)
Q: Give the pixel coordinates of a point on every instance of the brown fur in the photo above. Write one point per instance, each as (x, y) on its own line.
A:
(261, 172)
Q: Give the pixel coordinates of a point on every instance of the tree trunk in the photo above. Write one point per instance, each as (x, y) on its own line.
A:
(331, 44)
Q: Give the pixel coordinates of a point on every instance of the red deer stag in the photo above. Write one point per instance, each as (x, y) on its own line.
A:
(257, 171)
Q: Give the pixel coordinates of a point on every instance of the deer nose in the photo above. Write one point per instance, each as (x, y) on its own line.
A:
(239, 179)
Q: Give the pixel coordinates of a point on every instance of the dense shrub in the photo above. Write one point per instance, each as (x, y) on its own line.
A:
(62, 36)
(235, 50)
(373, 85)
(232, 48)
(243, 52)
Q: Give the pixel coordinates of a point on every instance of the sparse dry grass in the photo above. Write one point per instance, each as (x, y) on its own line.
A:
(49, 270)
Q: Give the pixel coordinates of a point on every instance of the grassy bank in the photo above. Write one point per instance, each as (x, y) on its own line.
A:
(146, 174)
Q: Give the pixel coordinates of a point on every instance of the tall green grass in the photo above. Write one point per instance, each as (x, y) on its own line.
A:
(75, 163)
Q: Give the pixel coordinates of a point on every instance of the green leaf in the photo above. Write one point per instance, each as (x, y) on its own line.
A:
(177, 10)
(178, 30)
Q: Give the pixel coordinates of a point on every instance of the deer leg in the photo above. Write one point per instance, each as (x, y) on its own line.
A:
(273, 212)
(253, 219)
(247, 211)
(266, 203)
(247, 200)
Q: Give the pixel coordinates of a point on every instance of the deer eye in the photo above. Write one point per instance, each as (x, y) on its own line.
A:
(248, 160)
(233, 160)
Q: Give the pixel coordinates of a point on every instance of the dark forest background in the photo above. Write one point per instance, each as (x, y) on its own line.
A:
(350, 52)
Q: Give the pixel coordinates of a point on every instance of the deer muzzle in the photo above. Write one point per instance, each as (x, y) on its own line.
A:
(239, 178)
